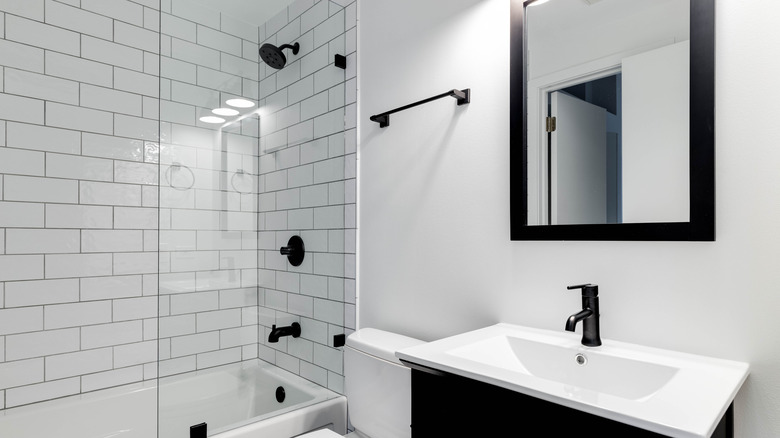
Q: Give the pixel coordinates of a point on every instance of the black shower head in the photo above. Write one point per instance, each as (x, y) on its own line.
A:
(273, 55)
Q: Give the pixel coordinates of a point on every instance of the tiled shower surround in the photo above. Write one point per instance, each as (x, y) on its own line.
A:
(307, 187)
(89, 196)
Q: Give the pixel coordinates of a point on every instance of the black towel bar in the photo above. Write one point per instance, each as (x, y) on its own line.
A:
(462, 96)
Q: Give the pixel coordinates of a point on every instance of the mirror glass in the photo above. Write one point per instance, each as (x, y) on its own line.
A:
(614, 76)
(606, 108)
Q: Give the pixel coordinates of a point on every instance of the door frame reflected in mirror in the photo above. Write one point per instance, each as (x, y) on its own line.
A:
(701, 226)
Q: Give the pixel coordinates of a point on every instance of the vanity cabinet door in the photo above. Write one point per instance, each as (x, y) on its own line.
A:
(447, 405)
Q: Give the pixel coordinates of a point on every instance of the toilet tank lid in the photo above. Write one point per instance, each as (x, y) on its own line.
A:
(380, 343)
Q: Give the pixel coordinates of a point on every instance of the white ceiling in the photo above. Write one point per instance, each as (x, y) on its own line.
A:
(255, 12)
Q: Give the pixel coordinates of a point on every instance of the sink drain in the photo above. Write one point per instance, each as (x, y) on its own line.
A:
(580, 359)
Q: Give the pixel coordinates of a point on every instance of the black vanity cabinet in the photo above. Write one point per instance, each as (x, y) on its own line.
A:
(448, 405)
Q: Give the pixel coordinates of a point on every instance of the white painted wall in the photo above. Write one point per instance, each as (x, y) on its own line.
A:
(655, 152)
(435, 257)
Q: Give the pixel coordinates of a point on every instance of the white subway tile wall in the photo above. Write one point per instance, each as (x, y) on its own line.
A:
(109, 183)
(65, 143)
(306, 189)
(78, 248)
(208, 193)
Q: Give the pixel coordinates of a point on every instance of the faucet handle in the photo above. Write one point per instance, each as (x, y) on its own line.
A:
(588, 290)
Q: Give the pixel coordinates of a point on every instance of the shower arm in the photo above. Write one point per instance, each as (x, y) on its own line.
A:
(462, 96)
(295, 47)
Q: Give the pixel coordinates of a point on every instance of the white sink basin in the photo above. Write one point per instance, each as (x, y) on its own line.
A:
(672, 393)
(562, 360)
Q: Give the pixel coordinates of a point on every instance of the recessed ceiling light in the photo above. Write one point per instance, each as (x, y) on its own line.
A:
(212, 119)
(240, 103)
(225, 112)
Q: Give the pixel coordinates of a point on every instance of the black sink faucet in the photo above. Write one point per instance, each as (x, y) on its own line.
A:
(293, 330)
(589, 315)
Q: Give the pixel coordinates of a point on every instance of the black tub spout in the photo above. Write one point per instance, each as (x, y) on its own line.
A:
(293, 330)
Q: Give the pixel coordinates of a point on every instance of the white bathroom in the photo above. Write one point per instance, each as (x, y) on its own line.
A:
(323, 218)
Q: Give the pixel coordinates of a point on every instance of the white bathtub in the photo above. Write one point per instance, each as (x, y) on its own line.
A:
(236, 401)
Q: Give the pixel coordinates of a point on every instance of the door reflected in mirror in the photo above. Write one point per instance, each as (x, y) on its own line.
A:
(608, 111)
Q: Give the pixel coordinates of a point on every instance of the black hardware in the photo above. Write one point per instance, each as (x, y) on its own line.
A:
(294, 250)
(341, 61)
(339, 340)
(463, 97)
(293, 330)
(589, 315)
(273, 55)
(198, 431)
(280, 395)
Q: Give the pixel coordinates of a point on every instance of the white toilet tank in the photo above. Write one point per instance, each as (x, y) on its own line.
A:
(377, 385)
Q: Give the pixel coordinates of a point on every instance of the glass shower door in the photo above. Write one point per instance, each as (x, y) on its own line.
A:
(208, 213)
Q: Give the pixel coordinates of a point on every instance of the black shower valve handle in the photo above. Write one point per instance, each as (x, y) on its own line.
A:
(294, 250)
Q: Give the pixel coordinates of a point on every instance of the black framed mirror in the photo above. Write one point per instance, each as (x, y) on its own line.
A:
(610, 138)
